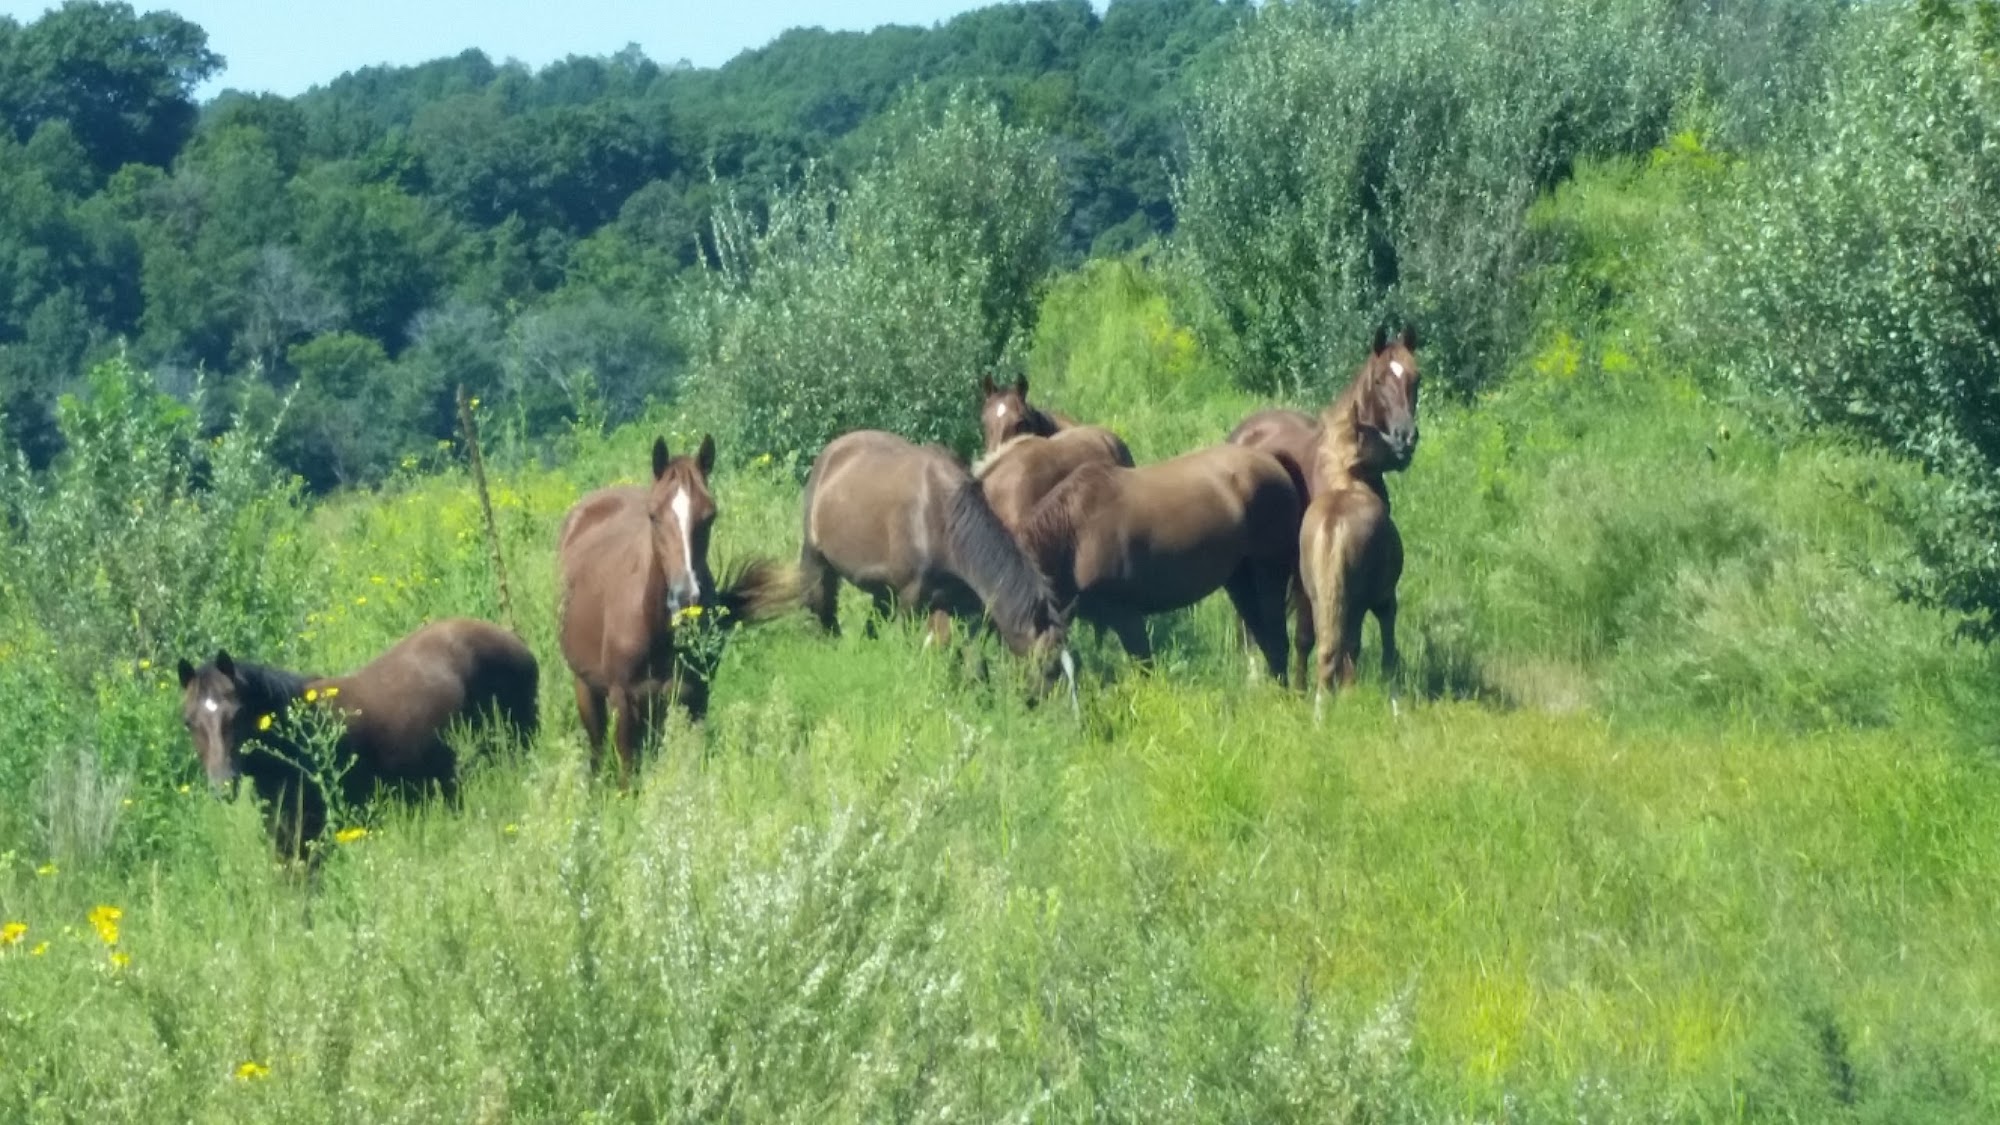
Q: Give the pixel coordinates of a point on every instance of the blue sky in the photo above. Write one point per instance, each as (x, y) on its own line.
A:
(285, 46)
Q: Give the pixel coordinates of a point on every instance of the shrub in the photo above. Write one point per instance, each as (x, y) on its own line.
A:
(879, 305)
(1852, 273)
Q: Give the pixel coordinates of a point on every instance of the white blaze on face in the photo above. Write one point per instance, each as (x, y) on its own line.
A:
(210, 706)
(680, 508)
(1000, 411)
(1396, 367)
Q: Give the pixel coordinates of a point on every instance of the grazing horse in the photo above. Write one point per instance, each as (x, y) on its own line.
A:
(907, 524)
(633, 561)
(1350, 554)
(1126, 543)
(1006, 414)
(1026, 467)
(1384, 392)
(394, 713)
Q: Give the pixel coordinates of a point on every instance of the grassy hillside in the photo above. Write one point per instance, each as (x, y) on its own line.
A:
(1687, 816)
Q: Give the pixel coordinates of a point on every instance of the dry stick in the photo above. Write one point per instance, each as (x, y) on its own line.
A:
(470, 426)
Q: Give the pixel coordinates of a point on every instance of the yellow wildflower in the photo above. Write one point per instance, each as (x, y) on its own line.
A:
(362, 600)
(331, 692)
(511, 829)
(13, 932)
(41, 947)
(185, 788)
(263, 723)
(125, 803)
(119, 960)
(144, 665)
(350, 835)
(763, 458)
(250, 1071)
(105, 920)
(312, 695)
(377, 579)
(474, 404)
(691, 613)
(46, 870)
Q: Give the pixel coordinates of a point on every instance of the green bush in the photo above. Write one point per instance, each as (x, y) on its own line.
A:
(1851, 275)
(143, 543)
(878, 306)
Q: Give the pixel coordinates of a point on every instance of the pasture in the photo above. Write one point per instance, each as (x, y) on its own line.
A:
(1686, 817)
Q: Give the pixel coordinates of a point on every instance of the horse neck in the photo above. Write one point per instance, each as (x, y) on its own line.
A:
(268, 687)
(990, 561)
(1048, 538)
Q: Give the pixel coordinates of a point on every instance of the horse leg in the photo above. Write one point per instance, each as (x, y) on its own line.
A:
(590, 708)
(1131, 632)
(628, 731)
(1258, 592)
(819, 588)
(1392, 659)
(885, 605)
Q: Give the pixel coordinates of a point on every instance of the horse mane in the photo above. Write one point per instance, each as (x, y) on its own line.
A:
(985, 464)
(1339, 446)
(991, 562)
(1048, 535)
(269, 684)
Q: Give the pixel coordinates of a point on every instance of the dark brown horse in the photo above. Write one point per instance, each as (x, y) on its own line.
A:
(1126, 543)
(1384, 393)
(1350, 554)
(634, 570)
(394, 712)
(1006, 414)
(908, 525)
(1027, 467)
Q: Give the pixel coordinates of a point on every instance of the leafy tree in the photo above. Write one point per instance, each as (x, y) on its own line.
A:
(124, 82)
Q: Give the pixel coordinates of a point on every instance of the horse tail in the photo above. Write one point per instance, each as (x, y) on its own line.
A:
(757, 590)
(1330, 594)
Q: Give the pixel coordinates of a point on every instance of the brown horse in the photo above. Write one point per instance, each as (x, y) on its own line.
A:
(1026, 467)
(1384, 392)
(1350, 554)
(634, 569)
(1126, 543)
(1005, 413)
(394, 713)
(908, 525)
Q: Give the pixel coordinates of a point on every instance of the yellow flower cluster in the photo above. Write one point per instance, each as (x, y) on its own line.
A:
(350, 835)
(250, 1071)
(12, 933)
(104, 920)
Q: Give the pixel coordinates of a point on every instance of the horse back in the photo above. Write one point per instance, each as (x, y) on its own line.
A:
(398, 706)
(1288, 435)
(875, 505)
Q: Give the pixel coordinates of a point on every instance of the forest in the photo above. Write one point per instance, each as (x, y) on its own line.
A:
(1684, 804)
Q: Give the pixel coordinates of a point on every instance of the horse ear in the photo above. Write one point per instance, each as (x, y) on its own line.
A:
(660, 457)
(1381, 340)
(986, 387)
(187, 672)
(223, 664)
(1410, 337)
(1021, 386)
(706, 456)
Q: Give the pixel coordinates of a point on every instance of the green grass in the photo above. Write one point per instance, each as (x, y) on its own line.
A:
(1683, 819)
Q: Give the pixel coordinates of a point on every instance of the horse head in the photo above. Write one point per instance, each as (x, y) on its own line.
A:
(1385, 394)
(682, 511)
(221, 710)
(1005, 414)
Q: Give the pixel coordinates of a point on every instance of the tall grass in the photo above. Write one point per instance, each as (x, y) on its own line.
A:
(1685, 817)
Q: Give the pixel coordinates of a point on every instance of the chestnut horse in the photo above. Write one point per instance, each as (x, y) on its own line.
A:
(634, 569)
(1126, 543)
(1350, 554)
(1384, 392)
(1005, 413)
(1026, 467)
(907, 524)
(395, 711)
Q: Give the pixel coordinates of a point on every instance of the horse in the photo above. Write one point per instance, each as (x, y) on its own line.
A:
(394, 712)
(1005, 413)
(908, 525)
(1126, 543)
(1024, 468)
(1350, 554)
(634, 573)
(1384, 390)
